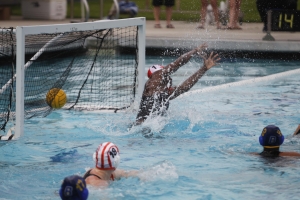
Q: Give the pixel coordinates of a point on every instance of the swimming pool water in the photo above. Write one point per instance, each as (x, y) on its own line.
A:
(200, 150)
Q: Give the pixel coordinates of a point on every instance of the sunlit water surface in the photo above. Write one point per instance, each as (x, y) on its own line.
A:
(200, 150)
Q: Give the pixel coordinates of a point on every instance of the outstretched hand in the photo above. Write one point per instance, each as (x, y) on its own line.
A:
(211, 61)
(200, 49)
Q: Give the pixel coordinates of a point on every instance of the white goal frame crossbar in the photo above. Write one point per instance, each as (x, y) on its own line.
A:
(22, 31)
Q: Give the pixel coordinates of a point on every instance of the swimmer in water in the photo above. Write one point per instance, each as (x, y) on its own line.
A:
(159, 90)
(271, 138)
(73, 188)
(107, 159)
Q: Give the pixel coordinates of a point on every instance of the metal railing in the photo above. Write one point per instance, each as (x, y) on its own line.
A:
(85, 11)
(117, 9)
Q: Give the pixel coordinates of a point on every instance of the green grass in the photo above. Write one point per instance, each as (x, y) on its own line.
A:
(248, 7)
(16, 10)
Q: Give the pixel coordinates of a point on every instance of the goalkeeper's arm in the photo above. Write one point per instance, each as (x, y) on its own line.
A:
(182, 60)
(208, 63)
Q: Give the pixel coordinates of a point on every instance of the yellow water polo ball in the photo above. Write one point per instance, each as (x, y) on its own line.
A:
(56, 98)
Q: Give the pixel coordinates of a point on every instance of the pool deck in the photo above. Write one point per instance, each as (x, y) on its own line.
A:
(186, 36)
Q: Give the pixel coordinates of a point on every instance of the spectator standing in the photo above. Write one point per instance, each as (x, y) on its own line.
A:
(234, 11)
(156, 11)
(203, 12)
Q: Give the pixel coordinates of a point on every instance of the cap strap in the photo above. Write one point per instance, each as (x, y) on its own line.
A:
(271, 147)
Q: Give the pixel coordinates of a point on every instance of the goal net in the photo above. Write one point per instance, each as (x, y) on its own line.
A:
(99, 65)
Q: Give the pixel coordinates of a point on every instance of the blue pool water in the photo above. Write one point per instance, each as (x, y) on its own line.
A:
(200, 150)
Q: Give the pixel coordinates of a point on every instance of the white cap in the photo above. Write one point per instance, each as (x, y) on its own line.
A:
(153, 69)
(107, 156)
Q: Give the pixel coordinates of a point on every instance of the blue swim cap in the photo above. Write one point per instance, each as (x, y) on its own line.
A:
(73, 188)
(271, 136)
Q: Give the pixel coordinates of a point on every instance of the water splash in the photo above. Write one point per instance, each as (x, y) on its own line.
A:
(164, 170)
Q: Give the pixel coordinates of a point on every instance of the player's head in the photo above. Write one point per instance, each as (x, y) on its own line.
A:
(107, 156)
(153, 69)
(271, 137)
(73, 188)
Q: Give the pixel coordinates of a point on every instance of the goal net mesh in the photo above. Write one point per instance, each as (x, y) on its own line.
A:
(96, 69)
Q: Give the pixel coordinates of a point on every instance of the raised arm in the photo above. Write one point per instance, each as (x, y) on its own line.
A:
(183, 59)
(208, 63)
(297, 131)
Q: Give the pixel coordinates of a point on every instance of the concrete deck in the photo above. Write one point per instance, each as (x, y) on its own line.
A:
(247, 39)
(186, 36)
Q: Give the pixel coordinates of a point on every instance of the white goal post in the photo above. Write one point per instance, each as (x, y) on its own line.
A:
(22, 31)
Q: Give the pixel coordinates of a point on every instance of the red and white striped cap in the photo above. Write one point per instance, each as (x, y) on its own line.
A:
(107, 156)
(153, 69)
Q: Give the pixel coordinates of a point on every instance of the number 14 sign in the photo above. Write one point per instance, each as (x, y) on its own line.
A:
(285, 20)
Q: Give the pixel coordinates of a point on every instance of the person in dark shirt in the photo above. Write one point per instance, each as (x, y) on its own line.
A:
(159, 90)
